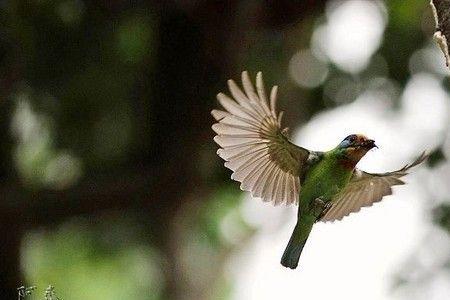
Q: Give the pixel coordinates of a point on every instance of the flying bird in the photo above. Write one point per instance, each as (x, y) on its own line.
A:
(326, 186)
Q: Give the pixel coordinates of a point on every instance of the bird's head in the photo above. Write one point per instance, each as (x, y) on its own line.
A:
(355, 146)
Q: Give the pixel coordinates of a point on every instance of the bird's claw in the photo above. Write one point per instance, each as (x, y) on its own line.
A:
(320, 207)
(326, 209)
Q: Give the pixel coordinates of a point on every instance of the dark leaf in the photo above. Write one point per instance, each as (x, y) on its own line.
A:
(436, 157)
(442, 216)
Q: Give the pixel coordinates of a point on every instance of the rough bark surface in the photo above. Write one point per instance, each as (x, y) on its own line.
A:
(441, 12)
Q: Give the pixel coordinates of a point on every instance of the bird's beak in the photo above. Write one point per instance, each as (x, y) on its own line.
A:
(369, 144)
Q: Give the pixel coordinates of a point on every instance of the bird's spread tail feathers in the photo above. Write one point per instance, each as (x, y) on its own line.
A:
(295, 246)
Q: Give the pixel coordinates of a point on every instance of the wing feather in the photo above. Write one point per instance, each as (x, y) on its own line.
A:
(283, 191)
(253, 146)
(233, 140)
(249, 158)
(262, 185)
(365, 189)
(235, 109)
(250, 179)
(273, 101)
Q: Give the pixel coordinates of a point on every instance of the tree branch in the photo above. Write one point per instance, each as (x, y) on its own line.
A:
(441, 12)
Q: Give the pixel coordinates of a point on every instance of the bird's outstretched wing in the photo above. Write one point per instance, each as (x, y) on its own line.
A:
(253, 145)
(365, 189)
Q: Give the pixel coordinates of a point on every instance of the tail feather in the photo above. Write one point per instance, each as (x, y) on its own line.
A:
(292, 253)
(296, 243)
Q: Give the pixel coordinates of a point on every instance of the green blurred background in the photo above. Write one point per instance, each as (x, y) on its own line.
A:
(110, 186)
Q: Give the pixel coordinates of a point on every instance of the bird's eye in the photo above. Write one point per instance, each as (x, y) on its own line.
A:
(351, 138)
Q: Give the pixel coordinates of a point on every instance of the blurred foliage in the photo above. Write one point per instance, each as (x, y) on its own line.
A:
(403, 35)
(208, 232)
(85, 259)
(85, 84)
(436, 157)
(220, 216)
(442, 216)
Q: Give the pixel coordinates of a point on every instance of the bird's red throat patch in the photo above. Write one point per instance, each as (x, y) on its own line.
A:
(354, 155)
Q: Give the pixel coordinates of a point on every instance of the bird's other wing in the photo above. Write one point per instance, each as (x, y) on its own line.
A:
(364, 189)
(253, 145)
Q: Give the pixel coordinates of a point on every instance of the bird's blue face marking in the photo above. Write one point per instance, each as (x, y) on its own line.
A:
(357, 141)
(348, 141)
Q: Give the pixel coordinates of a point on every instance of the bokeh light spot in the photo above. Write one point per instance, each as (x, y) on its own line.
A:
(306, 70)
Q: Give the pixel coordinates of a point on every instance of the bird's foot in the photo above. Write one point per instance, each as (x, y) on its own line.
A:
(319, 207)
(326, 209)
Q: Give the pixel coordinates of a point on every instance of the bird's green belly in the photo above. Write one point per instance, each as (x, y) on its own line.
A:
(325, 181)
